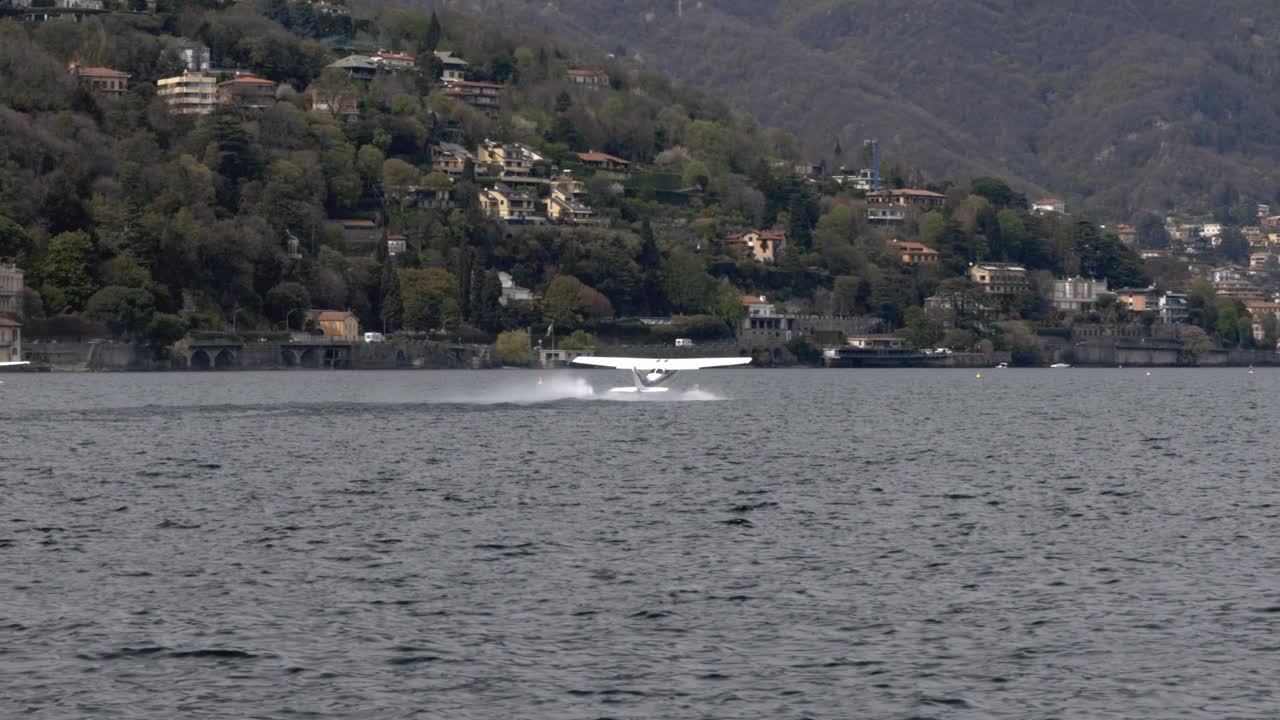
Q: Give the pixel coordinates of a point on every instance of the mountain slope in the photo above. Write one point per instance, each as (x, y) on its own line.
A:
(1124, 106)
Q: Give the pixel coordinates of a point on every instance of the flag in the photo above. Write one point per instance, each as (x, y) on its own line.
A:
(550, 328)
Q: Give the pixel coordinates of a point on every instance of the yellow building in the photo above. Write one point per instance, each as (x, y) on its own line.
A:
(1000, 279)
(189, 93)
(340, 324)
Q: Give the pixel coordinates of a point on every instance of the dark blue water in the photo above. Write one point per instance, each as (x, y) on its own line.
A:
(775, 544)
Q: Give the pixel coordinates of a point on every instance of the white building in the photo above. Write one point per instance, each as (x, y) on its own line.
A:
(1049, 205)
(1077, 295)
(452, 67)
(512, 291)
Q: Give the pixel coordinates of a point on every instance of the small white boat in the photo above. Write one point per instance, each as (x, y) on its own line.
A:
(1060, 365)
(1003, 365)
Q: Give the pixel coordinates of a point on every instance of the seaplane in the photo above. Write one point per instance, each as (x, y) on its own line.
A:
(649, 373)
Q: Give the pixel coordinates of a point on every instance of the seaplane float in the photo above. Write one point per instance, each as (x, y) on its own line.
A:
(648, 374)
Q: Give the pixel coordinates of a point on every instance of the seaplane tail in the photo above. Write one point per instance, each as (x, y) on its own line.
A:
(647, 374)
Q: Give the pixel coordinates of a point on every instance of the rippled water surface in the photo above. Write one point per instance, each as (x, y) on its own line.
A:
(769, 544)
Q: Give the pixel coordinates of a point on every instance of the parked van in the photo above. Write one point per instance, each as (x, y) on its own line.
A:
(372, 337)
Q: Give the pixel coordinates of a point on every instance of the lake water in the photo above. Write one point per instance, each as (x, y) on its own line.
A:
(771, 544)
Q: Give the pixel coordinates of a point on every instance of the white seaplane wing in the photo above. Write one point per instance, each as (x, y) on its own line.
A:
(625, 363)
(648, 373)
(12, 364)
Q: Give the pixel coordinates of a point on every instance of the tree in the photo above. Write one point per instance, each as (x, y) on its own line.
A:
(562, 304)
(696, 175)
(997, 192)
(165, 329)
(126, 311)
(397, 173)
(1151, 232)
(578, 340)
(65, 271)
(650, 262)
(14, 241)
(920, 331)
(513, 348)
(687, 285)
(1235, 246)
(430, 297)
(802, 214)
(489, 314)
(286, 300)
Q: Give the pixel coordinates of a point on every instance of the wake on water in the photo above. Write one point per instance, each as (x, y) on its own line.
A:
(530, 389)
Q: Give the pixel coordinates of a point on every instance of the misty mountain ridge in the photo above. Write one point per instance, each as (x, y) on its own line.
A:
(1118, 107)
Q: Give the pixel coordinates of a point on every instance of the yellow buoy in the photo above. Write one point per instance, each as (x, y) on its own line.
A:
(979, 375)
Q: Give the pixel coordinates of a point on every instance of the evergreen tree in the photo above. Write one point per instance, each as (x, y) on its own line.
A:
(431, 42)
(392, 307)
(650, 262)
(803, 216)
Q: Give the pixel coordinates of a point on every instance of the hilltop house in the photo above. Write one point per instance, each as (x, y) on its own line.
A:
(483, 96)
(591, 79)
(759, 245)
(357, 67)
(502, 202)
(191, 93)
(511, 291)
(604, 161)
(1049, 205)
(1258, 310)
(450, 159)
(565, 204)
(1077, 294)
(452, 68)
(101, 81)
(923, 199)
(397, 244)
(359, 231)
(1000, 279)
(507, 159)
(195, 55)
(247, 91)
(914, 253)
(341, 104)
(395, 62)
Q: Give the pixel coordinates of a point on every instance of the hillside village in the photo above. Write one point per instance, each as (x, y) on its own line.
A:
(179, 173)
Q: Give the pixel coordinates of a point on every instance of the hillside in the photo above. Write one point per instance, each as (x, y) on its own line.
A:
(1145, 105)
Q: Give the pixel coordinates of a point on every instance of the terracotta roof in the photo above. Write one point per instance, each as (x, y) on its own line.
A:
(475, 83)
(601, 157)
(395, 56)
(332, 315)
(908, 192)
(754, 300)
(397, 237)
(247, 79)
(1047, 201)
(99, 72)
(353, 223)
(915, 247)
(587, 73)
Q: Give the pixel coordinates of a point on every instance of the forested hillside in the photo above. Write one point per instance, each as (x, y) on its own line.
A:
(1147, 105)
(157, 217)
